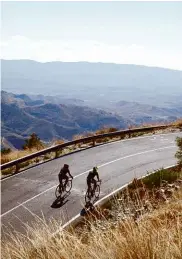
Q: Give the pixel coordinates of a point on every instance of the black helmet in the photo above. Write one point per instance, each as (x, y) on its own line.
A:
(66, 166)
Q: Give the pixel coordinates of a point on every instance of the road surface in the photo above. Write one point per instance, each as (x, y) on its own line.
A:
(32, 192)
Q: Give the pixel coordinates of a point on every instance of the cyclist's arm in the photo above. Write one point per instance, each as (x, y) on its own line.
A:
(98, 177)
(70, 174)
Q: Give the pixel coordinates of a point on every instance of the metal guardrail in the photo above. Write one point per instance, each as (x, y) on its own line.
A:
(92, 139)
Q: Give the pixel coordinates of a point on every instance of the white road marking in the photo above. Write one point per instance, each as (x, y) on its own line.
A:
(110, 143)
(105, 164)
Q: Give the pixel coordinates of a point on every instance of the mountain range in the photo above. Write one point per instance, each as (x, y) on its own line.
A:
(21, 116)
(95, 83)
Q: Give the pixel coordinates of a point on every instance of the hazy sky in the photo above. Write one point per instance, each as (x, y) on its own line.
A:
(147, 33)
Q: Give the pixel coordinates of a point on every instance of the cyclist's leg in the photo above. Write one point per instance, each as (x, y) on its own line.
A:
(89, 185)
(66, 180)
(60, 179)
(95, 184)
(60, 183)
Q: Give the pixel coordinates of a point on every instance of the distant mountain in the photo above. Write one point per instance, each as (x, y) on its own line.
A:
(143, 113)
(94, 83)
(21, 116)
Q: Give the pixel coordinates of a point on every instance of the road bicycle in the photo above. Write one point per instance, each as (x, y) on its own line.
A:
(62, 189)
(93, 193)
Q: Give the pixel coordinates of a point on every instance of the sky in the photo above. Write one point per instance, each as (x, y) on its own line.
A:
(143, 33)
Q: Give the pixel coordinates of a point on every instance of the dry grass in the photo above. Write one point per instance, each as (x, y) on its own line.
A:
(143, 125)
(59, 141)
(178, 123)
(16, 154)
(157, 234)
(105, 130)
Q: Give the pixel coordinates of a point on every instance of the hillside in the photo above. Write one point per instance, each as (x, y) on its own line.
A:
(145, 113)
(21, 116)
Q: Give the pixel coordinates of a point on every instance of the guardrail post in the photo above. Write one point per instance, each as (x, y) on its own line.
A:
(129, 134)
(17, 167)
(93, 142)
(121, 137)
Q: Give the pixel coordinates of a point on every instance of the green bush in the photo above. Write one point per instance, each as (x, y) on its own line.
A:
(155, 179)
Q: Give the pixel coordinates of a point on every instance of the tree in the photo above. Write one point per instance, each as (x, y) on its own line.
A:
(33, 142)
(178, 154)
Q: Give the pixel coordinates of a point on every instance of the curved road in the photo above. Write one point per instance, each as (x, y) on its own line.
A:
(32, 192)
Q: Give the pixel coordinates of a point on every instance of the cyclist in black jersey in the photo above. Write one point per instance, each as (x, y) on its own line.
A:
(64, 174)
(90, 178)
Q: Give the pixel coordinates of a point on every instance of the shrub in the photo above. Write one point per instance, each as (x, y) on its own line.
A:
(155, 179)
(33, 142)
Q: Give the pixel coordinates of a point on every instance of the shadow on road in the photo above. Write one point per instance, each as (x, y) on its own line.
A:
(60, 201)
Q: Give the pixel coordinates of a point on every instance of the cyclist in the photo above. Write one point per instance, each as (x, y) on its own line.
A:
(64, 174)
(90, 178)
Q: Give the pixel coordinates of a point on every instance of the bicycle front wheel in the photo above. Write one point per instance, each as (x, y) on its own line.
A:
(97, 191)
(87, 196)
(57, 192)
(69, 186)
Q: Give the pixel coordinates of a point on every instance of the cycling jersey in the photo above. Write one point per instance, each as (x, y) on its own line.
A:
(64, 171)
(92, 174)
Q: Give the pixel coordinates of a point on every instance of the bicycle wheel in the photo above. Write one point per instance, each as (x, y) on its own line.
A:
(97, 191)
(87, 197)
(57, 192)
(69, 185)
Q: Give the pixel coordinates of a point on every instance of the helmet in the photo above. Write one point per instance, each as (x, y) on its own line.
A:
(66, 166)
(95, 168)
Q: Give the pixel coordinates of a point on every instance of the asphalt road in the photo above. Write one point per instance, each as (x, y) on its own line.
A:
(32, 192)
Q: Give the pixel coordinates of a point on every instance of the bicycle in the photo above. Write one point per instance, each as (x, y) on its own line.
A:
(61, 188)
(93, 193)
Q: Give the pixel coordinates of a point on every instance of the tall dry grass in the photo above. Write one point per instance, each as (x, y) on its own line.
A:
(16, 154)
(157, 235)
